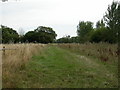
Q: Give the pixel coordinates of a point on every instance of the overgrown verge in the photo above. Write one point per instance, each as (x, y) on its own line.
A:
(104, 53)
(14, 61)
(60, 68)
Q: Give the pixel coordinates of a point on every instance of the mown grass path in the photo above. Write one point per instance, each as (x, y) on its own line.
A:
(59, 68)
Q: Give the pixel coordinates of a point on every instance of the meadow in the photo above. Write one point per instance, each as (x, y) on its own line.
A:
(103, 51)
(88, 65)
(15, 60)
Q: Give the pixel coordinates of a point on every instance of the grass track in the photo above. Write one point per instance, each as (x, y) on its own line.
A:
(60, 68)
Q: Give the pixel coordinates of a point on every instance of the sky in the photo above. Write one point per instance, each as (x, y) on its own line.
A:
(61, 15)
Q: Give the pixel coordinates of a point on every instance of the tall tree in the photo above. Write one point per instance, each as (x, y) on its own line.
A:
(83, 30)
(9, 35)
(111, 18)
(118, 22)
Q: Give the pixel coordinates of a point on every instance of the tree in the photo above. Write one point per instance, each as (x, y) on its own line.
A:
(111, 18)
(9, 35)
(83, 30)
(118, 22)
(46, 34)
(111, 31)
(100, 35)
(74, 39)
(41, 35)
(65, 39)
(30, 37)
(100, 24)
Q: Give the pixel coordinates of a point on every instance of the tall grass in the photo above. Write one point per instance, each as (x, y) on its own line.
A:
(0, 67)
(14, 61)
(103, 51)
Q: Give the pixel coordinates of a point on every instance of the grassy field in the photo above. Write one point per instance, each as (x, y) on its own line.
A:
(66, 66)
(13, 61)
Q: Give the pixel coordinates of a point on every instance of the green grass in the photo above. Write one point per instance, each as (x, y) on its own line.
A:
(60, 68)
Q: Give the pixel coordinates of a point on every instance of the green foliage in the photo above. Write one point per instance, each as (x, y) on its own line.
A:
(100, 24)
(30, 36)
(9, 35)
(67, 39)
(84, 30)
(100, 35)
(111, 18)
(118, 22)
(84, 27)
(40, 35)
(74, 39)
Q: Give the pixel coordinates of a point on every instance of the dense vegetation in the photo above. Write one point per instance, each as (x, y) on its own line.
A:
(106, 30)
(9, 35)
(40, 35)
(60, 66)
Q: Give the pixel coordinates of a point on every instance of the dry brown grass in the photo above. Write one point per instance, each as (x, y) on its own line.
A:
(0, 67)
(20, 54)
(16, 59)
(102, 51)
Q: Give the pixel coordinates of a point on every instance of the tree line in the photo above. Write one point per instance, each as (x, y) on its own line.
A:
(40, 35)
(107, 30)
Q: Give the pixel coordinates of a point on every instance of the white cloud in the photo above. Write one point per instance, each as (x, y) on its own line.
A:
(62, 15)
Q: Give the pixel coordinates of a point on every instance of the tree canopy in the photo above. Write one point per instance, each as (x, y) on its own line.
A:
(107, 29)
(67, 39)
(9, 35)
(83, 30)
(112, 19)
(41, 35)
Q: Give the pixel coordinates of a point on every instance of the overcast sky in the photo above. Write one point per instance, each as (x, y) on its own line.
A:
(62, 15)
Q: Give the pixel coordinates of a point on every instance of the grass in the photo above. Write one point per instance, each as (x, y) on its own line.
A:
(60, 68)
(15, 60)
(103, 52)
(0, 67)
